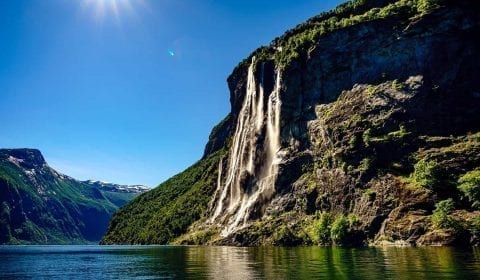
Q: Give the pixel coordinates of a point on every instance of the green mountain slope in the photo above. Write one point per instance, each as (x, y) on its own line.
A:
(164, 213)
(378, 134)
(41, 206)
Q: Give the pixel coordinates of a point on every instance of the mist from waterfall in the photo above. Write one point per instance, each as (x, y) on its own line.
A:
(248, 182)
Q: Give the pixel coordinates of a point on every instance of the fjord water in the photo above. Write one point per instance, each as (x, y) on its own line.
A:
(176, 262)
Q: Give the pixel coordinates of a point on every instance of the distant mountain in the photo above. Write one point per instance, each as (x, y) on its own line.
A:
(117, 194)
(39, 205)
(116, 187)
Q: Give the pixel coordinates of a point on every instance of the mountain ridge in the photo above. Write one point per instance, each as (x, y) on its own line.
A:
(39, 205)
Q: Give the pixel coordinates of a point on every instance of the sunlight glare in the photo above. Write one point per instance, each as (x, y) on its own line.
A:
(107, 8)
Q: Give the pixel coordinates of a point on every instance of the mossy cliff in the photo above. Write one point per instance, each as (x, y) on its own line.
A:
(379, 136)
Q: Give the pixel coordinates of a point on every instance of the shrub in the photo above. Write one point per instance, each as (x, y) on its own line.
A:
(370, 194)
(340, 229)
(426, 6)
(353, 220)
(469, 185)
(440, 216)
(397, 85)
(399, 134)
(285, 237)
(371, 90)
(426, 173)
(446, 206)
(365, 165)
(367, 137)
(202, 236)
(352, 142)
(327, 229)
(475, 226)
(322, 227)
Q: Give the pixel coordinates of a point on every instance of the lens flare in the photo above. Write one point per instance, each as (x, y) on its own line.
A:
(108, 8)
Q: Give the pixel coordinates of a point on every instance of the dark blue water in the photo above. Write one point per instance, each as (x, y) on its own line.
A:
(170, 262)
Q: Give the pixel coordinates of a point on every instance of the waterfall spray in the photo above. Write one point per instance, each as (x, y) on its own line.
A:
(252, 165)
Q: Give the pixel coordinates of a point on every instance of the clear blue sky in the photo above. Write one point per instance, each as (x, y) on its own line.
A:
(102, 96)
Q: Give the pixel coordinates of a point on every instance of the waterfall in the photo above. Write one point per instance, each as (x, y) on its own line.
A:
(252, 165)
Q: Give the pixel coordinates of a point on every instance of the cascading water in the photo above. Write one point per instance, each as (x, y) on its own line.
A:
(249, 179)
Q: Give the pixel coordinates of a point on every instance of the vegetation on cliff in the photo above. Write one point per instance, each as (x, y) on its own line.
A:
(166, 212)
(380, 136)
(300, 40)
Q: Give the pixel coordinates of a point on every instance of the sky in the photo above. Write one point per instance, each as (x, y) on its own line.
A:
(127, 91)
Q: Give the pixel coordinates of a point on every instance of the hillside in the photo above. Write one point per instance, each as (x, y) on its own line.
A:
(38, 205)
(360, 126)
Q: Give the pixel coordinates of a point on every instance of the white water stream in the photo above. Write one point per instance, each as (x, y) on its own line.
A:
(249, 178)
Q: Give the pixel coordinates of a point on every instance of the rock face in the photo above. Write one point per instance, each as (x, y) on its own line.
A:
(378, 122)
(41, 206)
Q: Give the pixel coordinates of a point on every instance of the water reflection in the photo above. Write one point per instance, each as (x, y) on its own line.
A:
(157, 262)
(332, 263)
(218, 262)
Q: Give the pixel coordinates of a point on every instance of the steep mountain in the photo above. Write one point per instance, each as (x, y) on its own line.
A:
(38, 205)
(359, 126)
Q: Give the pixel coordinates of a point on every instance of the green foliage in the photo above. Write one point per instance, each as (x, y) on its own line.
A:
(302, 39)
(445, 206)
(218, 126)
(371, 90)
(201, 237)
(399, 134)
(440, 216)
(119, 199)
(340, 229)
(353, 220)
(284, 236)
(469, 185)
(426, 174)
(427, 6)
(370, 194)
(365, 164)
(307, 168)
(367, 137)
(475, 227)
(328, 229)
(164, 213)
(299, 41)
(322, 228)
(353, 141)
(397, 85)
(40, 207)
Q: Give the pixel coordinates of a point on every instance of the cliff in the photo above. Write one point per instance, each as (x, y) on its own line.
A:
(359, 126)
(39, 205)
